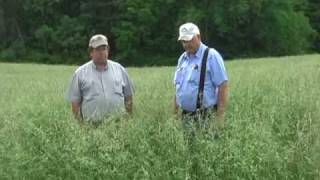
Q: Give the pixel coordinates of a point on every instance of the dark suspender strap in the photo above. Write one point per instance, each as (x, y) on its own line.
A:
(202, 78)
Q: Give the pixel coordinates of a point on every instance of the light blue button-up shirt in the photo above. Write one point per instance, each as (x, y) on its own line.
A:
(187, 78)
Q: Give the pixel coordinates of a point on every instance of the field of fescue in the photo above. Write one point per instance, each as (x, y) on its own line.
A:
(272, 127)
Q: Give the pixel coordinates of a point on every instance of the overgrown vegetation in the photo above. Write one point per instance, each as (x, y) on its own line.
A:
(271, 130)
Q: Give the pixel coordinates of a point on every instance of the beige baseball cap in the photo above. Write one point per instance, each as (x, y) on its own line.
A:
(98, 40)
(187, 31)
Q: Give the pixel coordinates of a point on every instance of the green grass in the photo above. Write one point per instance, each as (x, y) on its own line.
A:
(272, 127)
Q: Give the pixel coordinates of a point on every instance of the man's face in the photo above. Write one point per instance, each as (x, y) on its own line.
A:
(100, 54)
(192, 45)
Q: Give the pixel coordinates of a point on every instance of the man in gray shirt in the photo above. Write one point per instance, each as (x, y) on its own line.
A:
(100, 87)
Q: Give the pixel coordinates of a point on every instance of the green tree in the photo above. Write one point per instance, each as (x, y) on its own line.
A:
(252, 27)
(144, 32)
(11, 16)
(313, 13)
(146, 29)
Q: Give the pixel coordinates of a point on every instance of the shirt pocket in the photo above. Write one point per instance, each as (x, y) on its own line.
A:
(89, 88)
(194, 76)
(178, 76)
(118, 87)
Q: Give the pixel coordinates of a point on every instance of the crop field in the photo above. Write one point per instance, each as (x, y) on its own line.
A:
(272, 126)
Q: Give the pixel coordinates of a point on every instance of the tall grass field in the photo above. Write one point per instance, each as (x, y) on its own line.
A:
(272, 126)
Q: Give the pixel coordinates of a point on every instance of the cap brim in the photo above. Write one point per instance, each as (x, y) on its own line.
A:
(185, 38)
(101, 43)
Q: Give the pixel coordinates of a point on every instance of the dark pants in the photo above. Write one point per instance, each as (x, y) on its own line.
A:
(196, 120)
(197, 123)
(200, 121)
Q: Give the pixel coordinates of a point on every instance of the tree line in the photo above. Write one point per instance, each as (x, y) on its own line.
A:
(144, 32)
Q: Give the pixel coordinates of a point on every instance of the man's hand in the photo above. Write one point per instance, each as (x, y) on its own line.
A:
(176, 115)
(175, 109)
(220, 119)
(77, 112)
(128, 102)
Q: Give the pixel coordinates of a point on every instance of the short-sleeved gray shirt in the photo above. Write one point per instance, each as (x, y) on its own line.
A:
(100, 93)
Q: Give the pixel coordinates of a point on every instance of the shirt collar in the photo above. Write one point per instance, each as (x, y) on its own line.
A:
(199, 52)
(95, 67)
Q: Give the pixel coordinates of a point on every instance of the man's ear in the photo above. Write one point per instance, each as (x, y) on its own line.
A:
(199, 36)
(90, 52)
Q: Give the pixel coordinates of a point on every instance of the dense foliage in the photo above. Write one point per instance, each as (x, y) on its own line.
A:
(144, 32)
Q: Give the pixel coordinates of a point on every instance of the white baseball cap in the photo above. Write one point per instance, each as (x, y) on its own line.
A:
(98, 40)
(187, 31)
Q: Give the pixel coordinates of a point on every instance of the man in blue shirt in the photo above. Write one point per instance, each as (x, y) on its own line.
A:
(187, 78)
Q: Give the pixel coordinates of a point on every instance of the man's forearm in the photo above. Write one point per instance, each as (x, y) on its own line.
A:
(222, 103)
(128, 102)
(76, 110)
(175, 105)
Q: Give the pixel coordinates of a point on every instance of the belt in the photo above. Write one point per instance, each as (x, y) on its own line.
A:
(202, 111)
